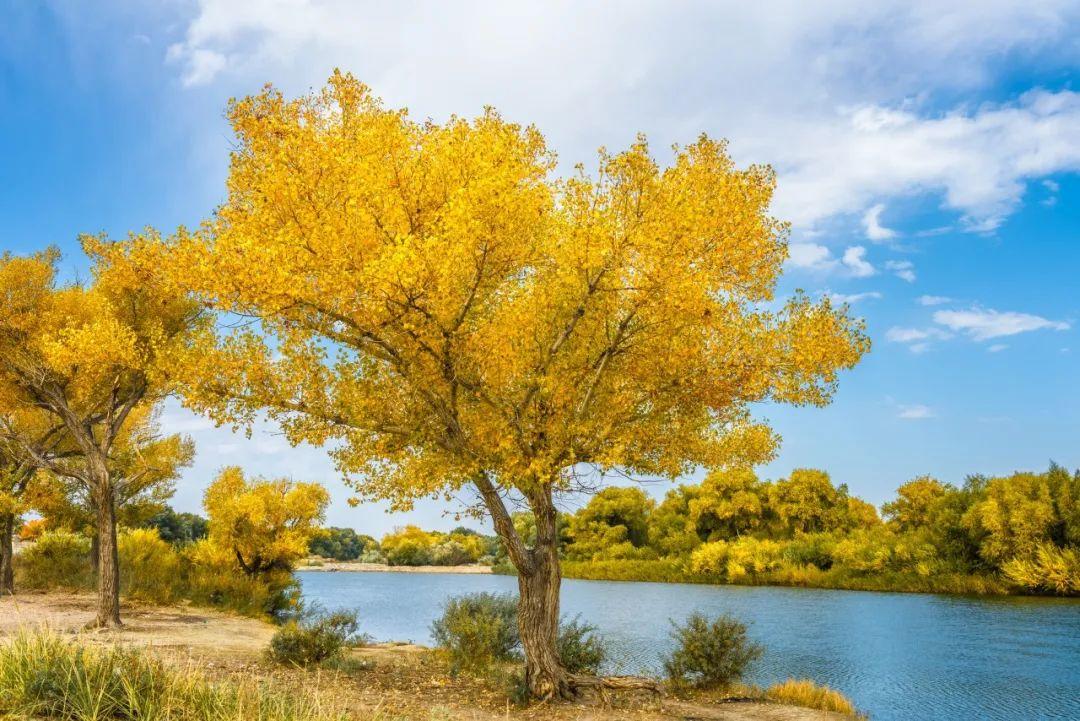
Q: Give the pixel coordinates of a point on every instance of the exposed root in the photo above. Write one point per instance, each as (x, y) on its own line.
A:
(602, 685)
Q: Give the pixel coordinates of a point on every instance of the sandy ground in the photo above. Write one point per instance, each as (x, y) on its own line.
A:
(391, 681)
(320, 564)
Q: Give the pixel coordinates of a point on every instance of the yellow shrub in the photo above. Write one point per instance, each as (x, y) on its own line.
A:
(808, 694)
(215, 578)
(150, 569)
(58, 559)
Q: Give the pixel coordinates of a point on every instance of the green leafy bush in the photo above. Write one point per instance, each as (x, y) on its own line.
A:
(710, 654)
(58, 559)
(314, 639)
(46, 676)
(478, 630)
(340, 544)
(150, 568)
(580, 649)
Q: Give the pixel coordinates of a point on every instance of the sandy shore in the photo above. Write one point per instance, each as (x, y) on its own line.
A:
(357, 567)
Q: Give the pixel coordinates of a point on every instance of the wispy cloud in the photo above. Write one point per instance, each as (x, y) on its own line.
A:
(875, 231)
(902, 269)
(983, 324)
(854, 297)
(915, 412)
(854, 260)
(931, 300)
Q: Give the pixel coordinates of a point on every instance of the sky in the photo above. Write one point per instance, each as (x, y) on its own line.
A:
(927, 156)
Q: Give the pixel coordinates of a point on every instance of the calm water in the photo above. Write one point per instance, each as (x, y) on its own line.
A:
(901, 657)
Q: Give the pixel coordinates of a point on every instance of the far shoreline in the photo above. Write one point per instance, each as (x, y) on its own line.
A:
(331, 566)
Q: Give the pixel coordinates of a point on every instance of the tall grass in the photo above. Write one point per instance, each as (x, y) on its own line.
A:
(806, 693)
(46, 676)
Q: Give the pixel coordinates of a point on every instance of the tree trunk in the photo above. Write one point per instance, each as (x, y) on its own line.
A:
(7, 554)
(538, 621)
(108, 561)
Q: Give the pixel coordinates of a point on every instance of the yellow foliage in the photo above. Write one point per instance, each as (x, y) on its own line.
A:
(150, 569)
(266, 525)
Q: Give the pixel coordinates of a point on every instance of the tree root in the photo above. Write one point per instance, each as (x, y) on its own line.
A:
(604, 684)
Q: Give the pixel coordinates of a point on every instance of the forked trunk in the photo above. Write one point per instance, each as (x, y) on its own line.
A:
(108, 560)
(538, 621)
(7, 554)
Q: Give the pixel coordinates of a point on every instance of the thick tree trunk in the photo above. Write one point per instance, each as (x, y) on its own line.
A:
(538, 621)
(108, 560)
(7, 554)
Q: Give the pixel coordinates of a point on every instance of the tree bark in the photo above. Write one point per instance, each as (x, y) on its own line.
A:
(7, 554)
(108, 560)
(538, 621)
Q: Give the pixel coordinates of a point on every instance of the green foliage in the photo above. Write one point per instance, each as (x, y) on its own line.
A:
(179, 528)
(150, 568)
(58, 559)
(314, 639)
(478, 630)
(1049, 569)
(579, 647)
(340, 544)
(710, 654)
(413, 546)
(46, 676)
(614, 524)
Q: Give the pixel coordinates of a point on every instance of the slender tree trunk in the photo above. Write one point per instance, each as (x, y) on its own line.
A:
(108, 560)
(7, 554)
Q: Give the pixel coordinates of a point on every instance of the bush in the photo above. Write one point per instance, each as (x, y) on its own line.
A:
(32, 529)
(43, 675)
(478, 630)
(58, 559)
(580, 649)
(808, 694)
(340, 544)
(314, 639)
(710, 654)
(150, 569)
(1050, 569)
(179, 528)
(215, 579)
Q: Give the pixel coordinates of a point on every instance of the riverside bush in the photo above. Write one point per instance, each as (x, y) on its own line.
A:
(478, 630)
(214, 579)
(46, 676)
(710, 654)
(58, 559)
(314, 639)
(580, 649)
(150, 568)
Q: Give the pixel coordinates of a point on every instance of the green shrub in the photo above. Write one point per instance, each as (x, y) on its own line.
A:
(58, 559)
(478, 630)
(314, 639)
(580, 649)
(46, 676)
(150, 569)
(340, 544)
(710, 654)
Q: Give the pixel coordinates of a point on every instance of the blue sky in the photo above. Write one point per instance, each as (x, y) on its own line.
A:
(927, 155)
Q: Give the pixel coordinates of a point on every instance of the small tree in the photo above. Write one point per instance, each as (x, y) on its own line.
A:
(456, 316)
(93, 357)
(266, 525)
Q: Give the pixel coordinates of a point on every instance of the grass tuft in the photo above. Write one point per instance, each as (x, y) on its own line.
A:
(806, 693)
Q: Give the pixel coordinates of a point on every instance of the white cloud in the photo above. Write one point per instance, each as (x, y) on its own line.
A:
(902, 269)
(915, 412)
(855, 261)
(854, 297)
(918, 340)
(997, 348)
(933, 300)
(983, 324)
(810, 256)
(875, 231)
(838, 97)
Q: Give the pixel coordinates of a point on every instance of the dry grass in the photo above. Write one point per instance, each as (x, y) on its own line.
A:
(806, 693)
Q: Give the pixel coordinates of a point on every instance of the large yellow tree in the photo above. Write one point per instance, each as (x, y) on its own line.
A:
(450, 312)
(90, 356)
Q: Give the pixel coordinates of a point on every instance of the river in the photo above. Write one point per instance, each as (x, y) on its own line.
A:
(900, 657)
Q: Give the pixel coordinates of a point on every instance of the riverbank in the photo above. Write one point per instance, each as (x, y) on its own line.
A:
(323, 564)
(385, 682)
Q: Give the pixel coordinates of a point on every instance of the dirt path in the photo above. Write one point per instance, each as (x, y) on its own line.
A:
(402, 682)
